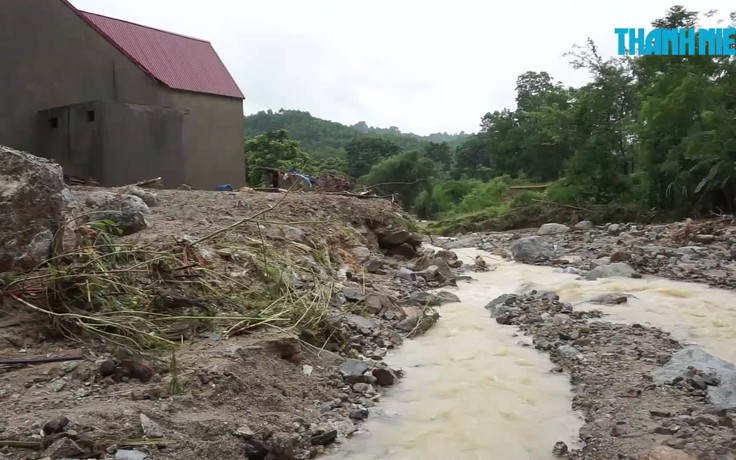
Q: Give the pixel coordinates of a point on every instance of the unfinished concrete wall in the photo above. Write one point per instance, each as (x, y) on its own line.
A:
(114, 143)
(213, 139)
(51, 58)
(73, 137)
(143, 142)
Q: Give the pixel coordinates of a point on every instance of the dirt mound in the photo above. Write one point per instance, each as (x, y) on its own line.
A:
(214, 329)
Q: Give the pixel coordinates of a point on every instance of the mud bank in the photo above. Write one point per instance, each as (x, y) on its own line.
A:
(218, 325)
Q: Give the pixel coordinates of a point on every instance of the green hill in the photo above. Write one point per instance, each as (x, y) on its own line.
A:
(324, 138)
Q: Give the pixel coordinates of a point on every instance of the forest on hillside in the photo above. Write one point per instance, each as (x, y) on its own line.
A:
(646, 134)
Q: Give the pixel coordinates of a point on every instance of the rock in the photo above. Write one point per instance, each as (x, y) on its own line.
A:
(610, 299)
(532, 249)
(610, 270)
(444, 272)
(148, 197)
(130, 455)
(150, 428)
(553, 229)
(560, 449)
(373, 303)
(245, 432)
(31, 203)
(68, 198)
(619, 256)
(406, 274)
(63, 448)
(376, 267)
(614, 229)
(569, 351)
(126, 211)
(406, 251)
(390, 239)
(286, 347)
(324, 438)
(56, 425)
(465, 241)
(665, 453)
(353, 295)
(255, 449)
(499, 304)
(384, 377)
(722, 396)
(353, 371)
(433, 300)
(361, 253)
(363, 325)
(584, 225)
(704, 239)
(99, 198)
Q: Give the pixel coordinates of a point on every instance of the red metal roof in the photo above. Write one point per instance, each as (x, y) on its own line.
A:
(177, 61)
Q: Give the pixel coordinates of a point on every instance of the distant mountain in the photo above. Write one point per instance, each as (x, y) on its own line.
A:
(323, 137)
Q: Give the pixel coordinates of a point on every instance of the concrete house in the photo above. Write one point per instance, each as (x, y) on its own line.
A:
(116, 101)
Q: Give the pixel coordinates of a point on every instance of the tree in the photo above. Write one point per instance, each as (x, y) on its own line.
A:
(472, 160)
(440, 153)
(364, 152)
(273, 150)
(406, 175)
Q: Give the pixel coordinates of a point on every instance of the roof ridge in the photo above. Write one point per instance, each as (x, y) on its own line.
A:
(146, 27)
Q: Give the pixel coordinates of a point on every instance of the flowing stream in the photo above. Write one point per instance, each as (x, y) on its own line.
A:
(472, 392)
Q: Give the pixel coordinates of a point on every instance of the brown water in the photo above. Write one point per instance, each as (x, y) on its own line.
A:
(472, 392)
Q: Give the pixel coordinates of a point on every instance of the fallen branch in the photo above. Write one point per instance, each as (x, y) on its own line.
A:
(143, 183)
(42, 360)
(20, 444)
(396, 183)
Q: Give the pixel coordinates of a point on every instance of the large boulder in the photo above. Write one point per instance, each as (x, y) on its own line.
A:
(532, 249)
(31, 204)
(719, 375)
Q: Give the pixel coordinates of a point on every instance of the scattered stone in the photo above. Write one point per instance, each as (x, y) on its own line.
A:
(63, 448)
(130, 455)
(614, 229)
(286, 347)
(150, 428)
(432, 299)
(584, 225)
(353, 371)
(704, 239)
(56, 425)
(610, 270)
(560, 449)
(553, 229)
(324, 438)
(611, 299)
(148, 197)
(128, 213)
(245, 432)
(384, 377)
(665, 453)
(362, 254)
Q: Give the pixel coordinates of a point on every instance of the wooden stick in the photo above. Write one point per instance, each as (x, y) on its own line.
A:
(42, 360)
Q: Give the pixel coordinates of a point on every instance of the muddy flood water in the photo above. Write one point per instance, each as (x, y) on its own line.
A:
(473, 392)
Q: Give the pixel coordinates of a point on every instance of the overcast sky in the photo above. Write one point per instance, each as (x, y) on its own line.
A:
(421, 65)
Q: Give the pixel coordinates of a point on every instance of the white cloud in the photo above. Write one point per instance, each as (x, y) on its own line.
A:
(424, 66)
